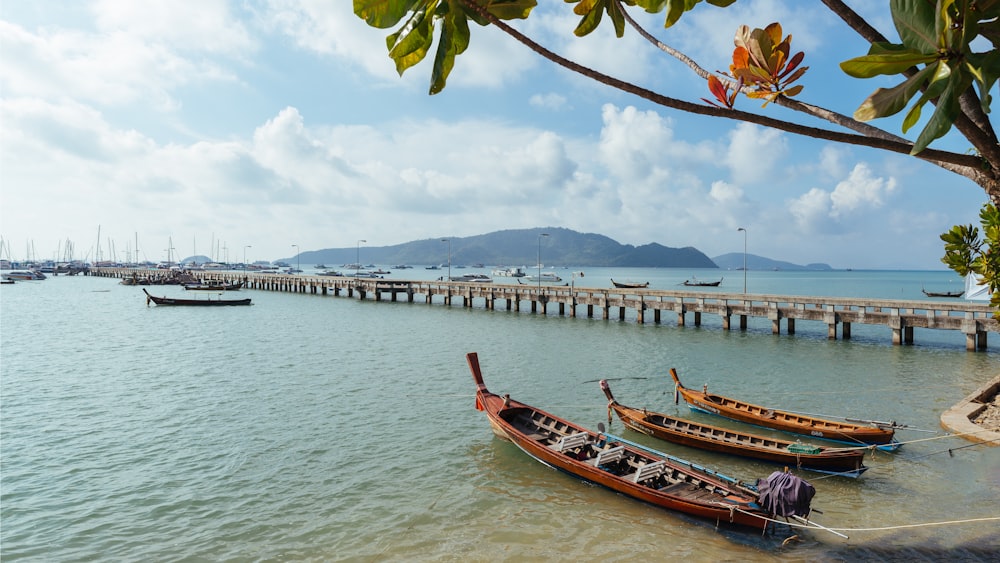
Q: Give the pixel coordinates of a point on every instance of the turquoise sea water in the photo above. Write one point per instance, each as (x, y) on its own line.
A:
(324, 428)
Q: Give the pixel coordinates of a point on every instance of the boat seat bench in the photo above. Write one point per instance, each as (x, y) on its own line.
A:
(571, 441)
(608, 456)
(648, 471)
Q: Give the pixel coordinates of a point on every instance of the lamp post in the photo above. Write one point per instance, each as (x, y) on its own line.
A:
(245, 258)
(357, 265)
(296, 247)
(744, 258)
(448, 240)
(539, 262)
(572, 284)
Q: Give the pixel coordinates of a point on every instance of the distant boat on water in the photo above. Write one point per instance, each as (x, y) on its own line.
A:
(695, 282)
(24, 275)
(629, 285)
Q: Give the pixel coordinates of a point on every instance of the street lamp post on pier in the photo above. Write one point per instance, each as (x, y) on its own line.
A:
(357, 265)
(539, 262)
(572, 285)
(744, 258)
(448, 240)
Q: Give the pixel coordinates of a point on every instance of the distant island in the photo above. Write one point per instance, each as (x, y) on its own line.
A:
(556, 247)
(734, 261)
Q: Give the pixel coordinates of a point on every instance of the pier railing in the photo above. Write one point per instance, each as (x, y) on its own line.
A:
(974, 320)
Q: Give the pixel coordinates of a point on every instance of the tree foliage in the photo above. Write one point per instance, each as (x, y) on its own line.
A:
(935, 60)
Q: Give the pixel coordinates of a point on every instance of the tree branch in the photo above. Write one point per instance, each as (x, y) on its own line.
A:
(972, 122)
(969, 165)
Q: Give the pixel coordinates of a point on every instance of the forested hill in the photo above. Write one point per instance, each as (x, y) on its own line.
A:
(562, 247)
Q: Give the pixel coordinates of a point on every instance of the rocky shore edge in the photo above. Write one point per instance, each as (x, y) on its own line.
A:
(977, 417)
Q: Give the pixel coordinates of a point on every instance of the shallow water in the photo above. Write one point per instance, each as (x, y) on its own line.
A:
(319, 428)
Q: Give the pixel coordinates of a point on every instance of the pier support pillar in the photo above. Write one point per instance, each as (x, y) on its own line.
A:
(680, 318)
(621, 313)
(896, 324)
(562, 309)
(725, 321)
(572, 308)
(790, 326)
(656, 316)
(908, 335)
(697, 318)
(845, 331)
(639, 314)
(590, 311)
(981, 337)
(775, 316)
(743, 322)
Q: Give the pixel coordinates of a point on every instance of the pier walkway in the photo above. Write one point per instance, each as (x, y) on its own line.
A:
(974, 320)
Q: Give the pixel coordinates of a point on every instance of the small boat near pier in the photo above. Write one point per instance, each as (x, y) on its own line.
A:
(876, 433)
(193, 302)
(846, 462)
(630, 470)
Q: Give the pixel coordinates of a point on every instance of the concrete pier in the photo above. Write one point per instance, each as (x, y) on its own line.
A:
(974, 320)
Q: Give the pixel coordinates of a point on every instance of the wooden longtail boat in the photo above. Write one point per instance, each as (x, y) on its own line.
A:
(847, 462)
(619, 466)
(629, 285)
(693, 282)
(876, 433)
(193, 302)
(942, 293)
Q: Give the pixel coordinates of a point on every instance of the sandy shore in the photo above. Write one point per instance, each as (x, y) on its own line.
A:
(989, 419)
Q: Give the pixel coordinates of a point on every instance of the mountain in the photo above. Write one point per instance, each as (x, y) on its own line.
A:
(521, 247)
(734, 261)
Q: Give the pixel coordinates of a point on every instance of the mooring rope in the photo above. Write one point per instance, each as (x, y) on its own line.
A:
(875, 529)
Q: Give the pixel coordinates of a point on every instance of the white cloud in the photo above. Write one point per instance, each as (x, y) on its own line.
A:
(119, 65)
(203, 26)
(332, 29)
(754, 152)
(550, 101)
(856, 197)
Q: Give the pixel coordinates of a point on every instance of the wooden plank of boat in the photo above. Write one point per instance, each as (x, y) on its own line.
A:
(618, 466)
(628, 285)
(847, 462)
(851, 433)
(193, 302)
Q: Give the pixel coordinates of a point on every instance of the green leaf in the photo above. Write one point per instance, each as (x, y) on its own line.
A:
(410, 45)
(615, 13)
(508, 9)
(383, 14)
(945, 113)
(889, 101)
(592, 12)
(915, 23)
(886, 63)
(453, 41)
(985, 69)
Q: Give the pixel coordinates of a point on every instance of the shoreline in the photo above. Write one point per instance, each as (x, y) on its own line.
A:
(977, 417)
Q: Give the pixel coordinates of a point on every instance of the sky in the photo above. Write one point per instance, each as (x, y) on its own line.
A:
(261, 128)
